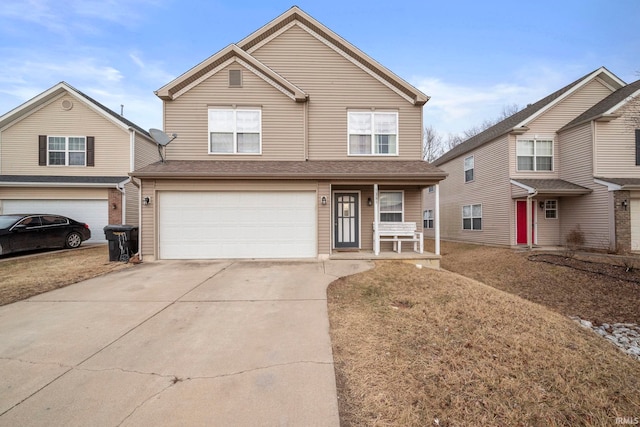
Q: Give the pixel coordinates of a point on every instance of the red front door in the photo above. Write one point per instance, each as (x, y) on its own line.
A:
(521, 222)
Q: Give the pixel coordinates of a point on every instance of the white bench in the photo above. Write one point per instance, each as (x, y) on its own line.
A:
(398, 232)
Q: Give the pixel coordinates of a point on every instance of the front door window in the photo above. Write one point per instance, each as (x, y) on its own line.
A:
(346, 220)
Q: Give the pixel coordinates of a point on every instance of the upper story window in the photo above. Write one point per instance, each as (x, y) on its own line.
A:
(534, 154)
(391, 206)
(468, 169)
(66, 151)
(373, 133)
(235, 131)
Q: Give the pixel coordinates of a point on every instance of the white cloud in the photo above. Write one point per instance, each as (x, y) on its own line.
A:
(455, 107)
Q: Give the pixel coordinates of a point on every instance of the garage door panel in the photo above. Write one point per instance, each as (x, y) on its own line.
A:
(92, 212)
(203, 225)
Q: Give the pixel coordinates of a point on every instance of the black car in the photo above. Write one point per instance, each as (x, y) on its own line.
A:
(40, 231)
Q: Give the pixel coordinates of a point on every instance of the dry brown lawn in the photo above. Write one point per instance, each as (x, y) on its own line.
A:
(417, 347)
(25, 277)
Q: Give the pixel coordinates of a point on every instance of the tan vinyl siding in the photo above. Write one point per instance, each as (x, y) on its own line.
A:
(282, 118)
(490, 187)
(324, 219)
(591, 211)
(335, 85)
(19, 150)
(148, 229)
(616, 150)
(547, 230)
(555, 118)
(132, 204)
(146, 152)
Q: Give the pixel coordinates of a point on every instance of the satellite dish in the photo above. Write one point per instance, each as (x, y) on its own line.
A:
(162, 139)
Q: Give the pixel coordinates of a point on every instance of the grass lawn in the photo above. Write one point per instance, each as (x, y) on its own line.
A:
(417, 347)
(25, 277)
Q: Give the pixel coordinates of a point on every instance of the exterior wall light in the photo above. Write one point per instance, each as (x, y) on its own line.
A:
(323, 200)
(369, 201)
(146, 200)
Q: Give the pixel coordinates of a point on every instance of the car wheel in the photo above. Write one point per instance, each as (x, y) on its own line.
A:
(73, 240)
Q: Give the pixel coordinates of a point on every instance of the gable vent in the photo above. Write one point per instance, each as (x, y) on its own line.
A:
(235, 78)
(66, 104)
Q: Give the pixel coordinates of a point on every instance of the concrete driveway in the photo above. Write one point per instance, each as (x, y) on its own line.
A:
(175, 343)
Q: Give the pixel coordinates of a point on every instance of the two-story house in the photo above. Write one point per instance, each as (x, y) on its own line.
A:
(64, 153)
(566, 162)
(292, 143)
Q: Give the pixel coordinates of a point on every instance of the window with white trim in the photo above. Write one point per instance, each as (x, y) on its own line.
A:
(468, 169)
(534, 154)
(391, 206)
(427, 218)
(373, 133)
(551, 209)
(235, 131)
(66, 151)
(472, 217)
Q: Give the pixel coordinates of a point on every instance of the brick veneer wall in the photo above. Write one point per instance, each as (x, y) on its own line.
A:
(115, 199)
(622, 220)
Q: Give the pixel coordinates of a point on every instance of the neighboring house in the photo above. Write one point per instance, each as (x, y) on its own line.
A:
(62, 152)
(289, 142)
(565, 163)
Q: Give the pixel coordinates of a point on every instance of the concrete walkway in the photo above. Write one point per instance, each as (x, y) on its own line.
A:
(173, 343)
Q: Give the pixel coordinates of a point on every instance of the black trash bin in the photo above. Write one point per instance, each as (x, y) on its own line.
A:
(123, 241)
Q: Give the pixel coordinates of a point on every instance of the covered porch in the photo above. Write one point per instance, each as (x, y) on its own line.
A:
(381, 220)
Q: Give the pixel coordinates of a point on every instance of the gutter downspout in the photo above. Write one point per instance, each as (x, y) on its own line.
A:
(530, 220)
(437, 219)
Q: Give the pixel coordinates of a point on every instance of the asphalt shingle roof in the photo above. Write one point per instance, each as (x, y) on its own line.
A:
(606, 104)
(505, 125)
(396, 170)
(554, 185)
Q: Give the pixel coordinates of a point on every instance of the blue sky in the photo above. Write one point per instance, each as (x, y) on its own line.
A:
(471, 57)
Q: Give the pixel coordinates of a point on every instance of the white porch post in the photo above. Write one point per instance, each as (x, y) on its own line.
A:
(437, 219)
(376, 217)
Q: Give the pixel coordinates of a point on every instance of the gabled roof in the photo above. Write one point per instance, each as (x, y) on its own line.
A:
(58, 90)
(606, 109)
(214, 63)
(294, 16)
(518, 121)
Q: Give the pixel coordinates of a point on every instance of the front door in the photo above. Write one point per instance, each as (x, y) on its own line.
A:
(521, 222)
(346, 222)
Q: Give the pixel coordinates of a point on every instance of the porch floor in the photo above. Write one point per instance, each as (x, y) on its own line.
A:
(426, 259)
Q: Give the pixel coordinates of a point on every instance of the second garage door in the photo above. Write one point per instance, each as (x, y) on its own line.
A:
(209, 225)
(92, 212)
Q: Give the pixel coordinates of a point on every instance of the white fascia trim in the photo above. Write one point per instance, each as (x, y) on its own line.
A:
(335, 49)
(530, 190)
(564, 96)
(631, 97)
(37, 108)
(610, 185)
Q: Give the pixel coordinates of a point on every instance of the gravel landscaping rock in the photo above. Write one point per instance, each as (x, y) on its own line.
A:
(626, 336)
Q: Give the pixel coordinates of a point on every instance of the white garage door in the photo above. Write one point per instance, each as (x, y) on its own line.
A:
(635, 224)
(207, 225)
(92, 212)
